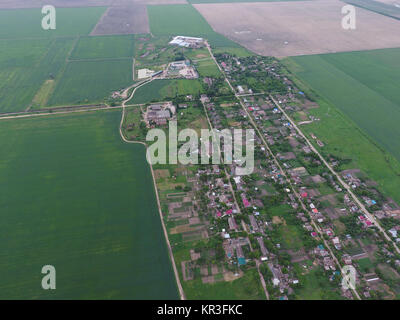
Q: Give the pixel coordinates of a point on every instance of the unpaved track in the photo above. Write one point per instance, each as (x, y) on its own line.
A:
(31, 115)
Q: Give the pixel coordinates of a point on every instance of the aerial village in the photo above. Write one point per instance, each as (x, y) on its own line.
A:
(292, 224)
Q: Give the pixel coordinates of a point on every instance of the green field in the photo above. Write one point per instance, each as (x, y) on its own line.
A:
(315, 286)
(103, 47)
(359, 109)
(25, 65)
(159, 90)
(183, 19)
(365, 265)
(91, 81)
(208, 68)
(247, 287)
(74, 196)
(35, 65)
(27, 23)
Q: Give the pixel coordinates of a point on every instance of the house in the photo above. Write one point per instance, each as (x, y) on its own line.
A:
(246, 203)
(367, 223)
(329, 263)
(308, 227)
(320, 250)
(329, 232)
(336, 243)
(240, 255)
(237, 180)
(371, 277)
(393, 232)
(346, 259)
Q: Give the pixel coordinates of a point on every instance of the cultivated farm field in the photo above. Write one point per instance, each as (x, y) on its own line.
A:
(85, 82)
(183, 19)
(26, 23)
(75, 196)
(103, 47)
(299, 27)
(26, 65)
(38, 68)
(389, 8)
(364, 87)
(208, 68)
(18, 4)
(130, 19)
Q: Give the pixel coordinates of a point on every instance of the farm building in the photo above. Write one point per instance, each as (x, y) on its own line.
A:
(187, 42)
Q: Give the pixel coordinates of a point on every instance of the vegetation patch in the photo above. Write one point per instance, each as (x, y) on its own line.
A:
(159, 90)
(44, 93)
(86, 82)
(208, 68)
(358, 110)
(88, 208)
(103, 47)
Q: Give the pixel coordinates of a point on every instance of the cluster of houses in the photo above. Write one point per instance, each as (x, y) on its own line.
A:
(291, 149)
(235, 206)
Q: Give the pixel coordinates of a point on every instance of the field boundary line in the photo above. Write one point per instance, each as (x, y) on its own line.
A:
(99, 59)
(99, 22)
(32, 115)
